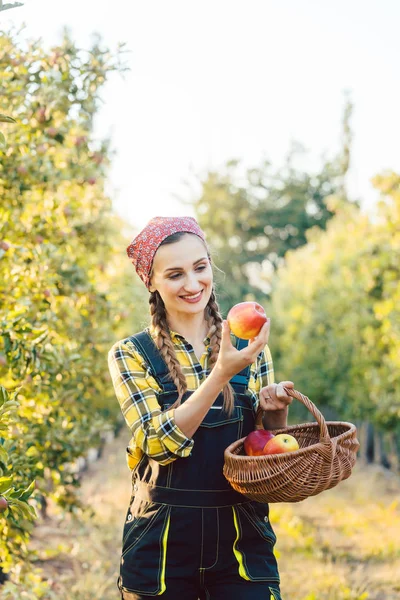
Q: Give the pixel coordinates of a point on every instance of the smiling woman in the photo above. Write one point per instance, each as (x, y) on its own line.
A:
(180, 286)
(187, 532)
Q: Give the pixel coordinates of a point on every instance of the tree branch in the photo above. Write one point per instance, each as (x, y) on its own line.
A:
(7, 6)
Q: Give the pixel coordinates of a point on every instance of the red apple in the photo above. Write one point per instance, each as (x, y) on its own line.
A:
(3, 504)
(79, 140)
(282, 442)
(255, 442)
(41, 149)
(22, 170)
(4, 246)
(246, 319)
(97, 158)
(41, 114)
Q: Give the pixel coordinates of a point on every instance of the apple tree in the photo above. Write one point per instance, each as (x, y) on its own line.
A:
(63, 297)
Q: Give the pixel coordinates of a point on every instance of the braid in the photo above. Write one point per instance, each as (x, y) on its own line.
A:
(165, 345)
(214, 320)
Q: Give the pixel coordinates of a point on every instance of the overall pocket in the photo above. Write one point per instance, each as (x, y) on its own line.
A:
(275, 593)
(203, 469)
(144, 548)
(254, 543)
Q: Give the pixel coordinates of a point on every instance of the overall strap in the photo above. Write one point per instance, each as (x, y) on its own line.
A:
(241, 379)
(158, 367)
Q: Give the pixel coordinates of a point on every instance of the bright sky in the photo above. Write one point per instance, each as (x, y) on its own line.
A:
(218, 79)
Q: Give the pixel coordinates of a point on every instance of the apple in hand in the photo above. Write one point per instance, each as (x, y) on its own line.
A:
(255, 442)
(246, 319)
(282, 442)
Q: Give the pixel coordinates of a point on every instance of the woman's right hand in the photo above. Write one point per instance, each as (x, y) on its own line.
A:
(230, 360)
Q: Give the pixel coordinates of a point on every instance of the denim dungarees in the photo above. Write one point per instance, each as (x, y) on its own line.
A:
(187, 533)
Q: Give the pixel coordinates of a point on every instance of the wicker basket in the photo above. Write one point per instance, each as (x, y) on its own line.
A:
(326, 455)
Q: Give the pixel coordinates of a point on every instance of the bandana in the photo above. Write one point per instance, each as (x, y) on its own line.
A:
(144, 246)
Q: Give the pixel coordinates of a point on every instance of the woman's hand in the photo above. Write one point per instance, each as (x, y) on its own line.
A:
(274, 397)
(230, 360)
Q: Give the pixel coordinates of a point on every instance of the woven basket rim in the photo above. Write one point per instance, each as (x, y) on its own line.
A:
(285, 456)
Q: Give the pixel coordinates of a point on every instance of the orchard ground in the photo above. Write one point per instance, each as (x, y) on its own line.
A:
(343, 544)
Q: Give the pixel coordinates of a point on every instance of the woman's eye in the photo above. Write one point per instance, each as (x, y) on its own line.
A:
(176, 275)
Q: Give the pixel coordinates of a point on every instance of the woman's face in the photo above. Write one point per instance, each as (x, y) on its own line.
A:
(182, 275)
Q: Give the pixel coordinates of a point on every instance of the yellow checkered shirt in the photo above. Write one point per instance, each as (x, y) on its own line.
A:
(155, 432)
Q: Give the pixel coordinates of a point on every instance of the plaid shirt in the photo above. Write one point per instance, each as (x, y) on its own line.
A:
(155, 433)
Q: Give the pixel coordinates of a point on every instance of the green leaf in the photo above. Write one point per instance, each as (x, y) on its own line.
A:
(16, 493)
(3, 455)
(6, 119)
(32, 451)
(22, 508)
(2, 140)
(5, 484)
(28, 491)
(3, 395)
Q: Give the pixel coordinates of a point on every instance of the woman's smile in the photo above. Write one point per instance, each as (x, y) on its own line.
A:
(193, 298)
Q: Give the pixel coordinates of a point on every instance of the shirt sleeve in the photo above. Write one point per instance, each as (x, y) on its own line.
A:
(265, 368)
(154, 432)
(263, 373)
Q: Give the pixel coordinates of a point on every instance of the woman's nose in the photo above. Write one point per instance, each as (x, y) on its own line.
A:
(192, 285)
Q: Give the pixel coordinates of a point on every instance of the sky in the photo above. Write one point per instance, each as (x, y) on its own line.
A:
(213, 80)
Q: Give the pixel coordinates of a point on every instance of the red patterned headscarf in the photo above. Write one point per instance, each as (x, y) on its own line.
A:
(144, 246)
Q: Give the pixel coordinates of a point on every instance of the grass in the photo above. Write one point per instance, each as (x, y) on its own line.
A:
(343, 544)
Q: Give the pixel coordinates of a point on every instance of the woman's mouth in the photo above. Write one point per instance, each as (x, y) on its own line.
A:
(193, 298)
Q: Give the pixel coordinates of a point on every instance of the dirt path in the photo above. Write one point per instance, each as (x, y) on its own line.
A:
(343, 544)
(82, 559)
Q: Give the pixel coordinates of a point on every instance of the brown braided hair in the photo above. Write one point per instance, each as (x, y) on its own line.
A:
(165, 345)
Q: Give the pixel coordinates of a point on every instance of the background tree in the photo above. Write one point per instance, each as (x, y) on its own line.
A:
(335, 312)
(63, 298)
(251, 222)
(9, 5)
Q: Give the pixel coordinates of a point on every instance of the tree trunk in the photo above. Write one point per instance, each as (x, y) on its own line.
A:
(370, 444)
(43, 506)
(384, 459)
(396, 442)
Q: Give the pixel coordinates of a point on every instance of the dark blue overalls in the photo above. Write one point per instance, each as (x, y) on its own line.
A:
(188, 535)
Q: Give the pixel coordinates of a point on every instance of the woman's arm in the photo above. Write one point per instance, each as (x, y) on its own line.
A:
(167, 435)
(154, 432)
(273, 399)
(275, 419)
(162, 435)
(230, 361)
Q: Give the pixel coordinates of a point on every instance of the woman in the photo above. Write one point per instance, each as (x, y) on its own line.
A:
(186, 393)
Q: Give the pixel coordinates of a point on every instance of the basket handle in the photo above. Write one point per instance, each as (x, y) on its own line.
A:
(324, 433)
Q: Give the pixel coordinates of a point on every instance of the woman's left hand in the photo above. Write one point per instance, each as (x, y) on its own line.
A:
(274, 397)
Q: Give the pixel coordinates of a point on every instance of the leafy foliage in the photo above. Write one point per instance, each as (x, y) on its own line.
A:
(335, 310)
(252, 221)
(60, 289)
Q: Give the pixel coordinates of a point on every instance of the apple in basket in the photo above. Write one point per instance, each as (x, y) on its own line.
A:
(256, 441)
(282, 442)
(246, 319)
